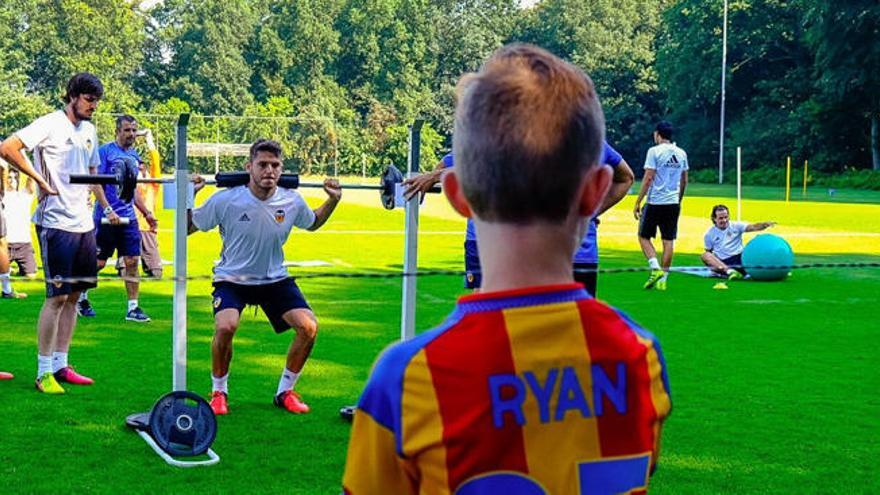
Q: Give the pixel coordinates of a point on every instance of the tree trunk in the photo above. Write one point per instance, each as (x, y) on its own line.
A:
(875, 138)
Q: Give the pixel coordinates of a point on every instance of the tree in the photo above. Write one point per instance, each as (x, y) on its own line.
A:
(844, 35)
(768, 62)
(199, 48)
(613, 41)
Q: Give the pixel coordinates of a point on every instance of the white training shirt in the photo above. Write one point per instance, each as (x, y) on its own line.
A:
(17, 211)
(253, 231)
(725, 243)
(60, 150)
(668, 161)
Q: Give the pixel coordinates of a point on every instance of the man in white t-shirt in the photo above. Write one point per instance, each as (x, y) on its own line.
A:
(5, 266)
(255, 221)
(724, 244)
(63, 143)
(664, 183)
(17, 204)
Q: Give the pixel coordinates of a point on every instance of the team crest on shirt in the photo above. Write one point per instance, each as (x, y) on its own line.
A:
(279, 216)
(217, 302)
(89, 144)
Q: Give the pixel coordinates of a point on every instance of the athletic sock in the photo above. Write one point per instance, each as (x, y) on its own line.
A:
(219, 384)
(653, 263)
(44, 364)
(7, 284)
(83, 296)
(287, 381)
(132, 304)
(663, 278)
(729, 271)
(59, 361)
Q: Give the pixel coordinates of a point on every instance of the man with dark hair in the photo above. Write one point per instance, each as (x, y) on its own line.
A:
(724, 244)
(255, 221)
(116, 221)
(530, 386)
(664, 183)
(63, 143)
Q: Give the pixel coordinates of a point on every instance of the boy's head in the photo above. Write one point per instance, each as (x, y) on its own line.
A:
(528, 129)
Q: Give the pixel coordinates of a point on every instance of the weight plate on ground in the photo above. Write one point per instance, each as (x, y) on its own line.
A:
(183, 424)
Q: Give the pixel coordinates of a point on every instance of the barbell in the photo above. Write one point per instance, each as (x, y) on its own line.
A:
(126, 178)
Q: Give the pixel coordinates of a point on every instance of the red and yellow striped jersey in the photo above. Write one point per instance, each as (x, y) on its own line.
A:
(532, 391)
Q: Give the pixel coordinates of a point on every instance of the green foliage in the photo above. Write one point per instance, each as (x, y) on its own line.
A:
(613, 41)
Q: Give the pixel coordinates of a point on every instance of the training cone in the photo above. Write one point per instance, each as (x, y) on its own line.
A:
(720, 286)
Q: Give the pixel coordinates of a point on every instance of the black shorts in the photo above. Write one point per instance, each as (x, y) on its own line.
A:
(736, 262)
(275, 299)
(663, 216)
(472, 276)
(65, 255)
(585, 273)
(123, 238)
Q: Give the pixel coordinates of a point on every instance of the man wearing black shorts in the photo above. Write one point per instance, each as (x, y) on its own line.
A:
(255, 220)
(63, 142)
(664, 183)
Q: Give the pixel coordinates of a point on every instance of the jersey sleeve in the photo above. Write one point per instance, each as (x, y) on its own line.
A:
(207, 216)
(684, 161)
(610, 156)
(305, 216)
(650, 161)
(37, 132)
(707, 241)
(740, 227)
(447, 161)
(373, 463)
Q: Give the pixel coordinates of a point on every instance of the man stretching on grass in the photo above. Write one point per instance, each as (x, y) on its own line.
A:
(255, 220)
(724, 243)
(530, 386)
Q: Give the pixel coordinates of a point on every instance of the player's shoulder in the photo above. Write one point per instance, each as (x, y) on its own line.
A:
(620, 326)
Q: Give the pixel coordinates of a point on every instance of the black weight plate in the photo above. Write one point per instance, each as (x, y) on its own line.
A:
(138, 421)
(183, 424)
(347, 413)
(389, 180)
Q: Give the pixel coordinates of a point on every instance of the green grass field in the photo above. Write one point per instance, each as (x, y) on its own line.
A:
(775, 385)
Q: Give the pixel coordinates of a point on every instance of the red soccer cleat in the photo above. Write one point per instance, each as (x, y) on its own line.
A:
(6, 376)
(291, 402)
(218, 403)
(68, 375)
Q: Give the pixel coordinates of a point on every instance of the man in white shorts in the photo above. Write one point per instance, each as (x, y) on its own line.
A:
(255, 221)
(724, 243)
(63, 143)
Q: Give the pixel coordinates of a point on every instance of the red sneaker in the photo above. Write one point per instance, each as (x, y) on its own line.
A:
(68, 375)
(218, 403)
(291, 402)
(6, 376)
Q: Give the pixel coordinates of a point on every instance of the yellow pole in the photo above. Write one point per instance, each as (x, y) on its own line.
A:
(788, 180)
(806, 165)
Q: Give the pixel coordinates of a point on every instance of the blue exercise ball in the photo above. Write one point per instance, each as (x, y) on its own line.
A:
(768, 250)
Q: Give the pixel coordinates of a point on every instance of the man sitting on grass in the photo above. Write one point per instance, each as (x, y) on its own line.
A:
(724, 243)
(530, 386)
